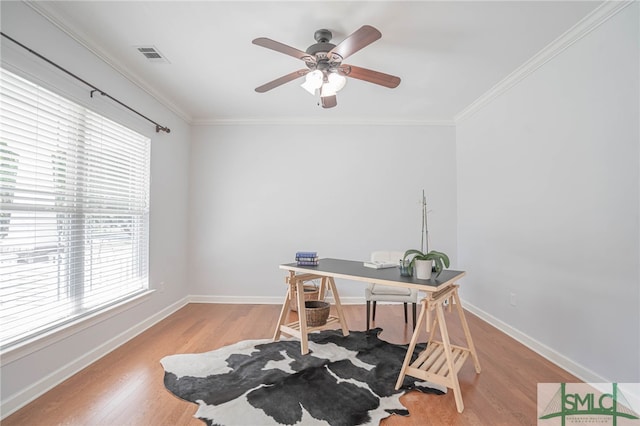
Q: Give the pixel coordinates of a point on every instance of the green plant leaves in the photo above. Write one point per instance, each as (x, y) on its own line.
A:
(440, 259)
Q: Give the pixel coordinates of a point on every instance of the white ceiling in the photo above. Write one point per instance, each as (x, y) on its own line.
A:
(447, 53)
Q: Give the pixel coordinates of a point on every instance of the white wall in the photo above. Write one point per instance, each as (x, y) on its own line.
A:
(25, 377)
(261, 193)
(548, 204)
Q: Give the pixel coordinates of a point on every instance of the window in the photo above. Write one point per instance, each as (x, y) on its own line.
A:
(74, 216)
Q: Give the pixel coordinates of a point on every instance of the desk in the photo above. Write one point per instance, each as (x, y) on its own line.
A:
(439, 363)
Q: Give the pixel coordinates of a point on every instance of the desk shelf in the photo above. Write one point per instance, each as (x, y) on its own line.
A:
(431, 364)
(293, 328)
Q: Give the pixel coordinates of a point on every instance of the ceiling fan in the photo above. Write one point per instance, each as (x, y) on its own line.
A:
(325, 72)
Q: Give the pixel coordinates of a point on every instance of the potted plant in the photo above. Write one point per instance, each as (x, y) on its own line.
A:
(422, 262)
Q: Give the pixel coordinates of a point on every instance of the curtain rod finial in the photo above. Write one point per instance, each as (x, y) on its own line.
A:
(164, 129)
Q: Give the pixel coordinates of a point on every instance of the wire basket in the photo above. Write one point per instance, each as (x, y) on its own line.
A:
(317, 312)
(311, 292)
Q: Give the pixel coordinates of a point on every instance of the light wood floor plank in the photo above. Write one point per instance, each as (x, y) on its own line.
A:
(126, 386)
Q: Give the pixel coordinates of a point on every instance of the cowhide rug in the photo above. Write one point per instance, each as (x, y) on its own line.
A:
(342, 381)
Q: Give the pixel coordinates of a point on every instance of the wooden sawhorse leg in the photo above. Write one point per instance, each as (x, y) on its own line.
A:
(440, 362)
(336, 301)
(467, 333)
(286, 306)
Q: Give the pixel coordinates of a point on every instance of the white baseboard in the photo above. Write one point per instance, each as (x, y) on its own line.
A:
(22, 398)
(558, 359)
(17, 401)
(263, 300)
(541, 349)
(241, 300)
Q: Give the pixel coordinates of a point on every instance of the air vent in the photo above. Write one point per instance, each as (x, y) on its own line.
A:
(152, 54)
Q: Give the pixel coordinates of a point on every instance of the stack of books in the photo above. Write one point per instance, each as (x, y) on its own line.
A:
(307, 258)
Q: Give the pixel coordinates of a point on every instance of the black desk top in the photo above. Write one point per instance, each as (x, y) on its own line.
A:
(355, 270)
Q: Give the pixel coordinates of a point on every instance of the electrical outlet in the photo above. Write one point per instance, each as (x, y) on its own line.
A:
(161, 287)
(512, 299)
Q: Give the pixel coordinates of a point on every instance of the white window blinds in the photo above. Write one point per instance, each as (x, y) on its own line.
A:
(74, 217)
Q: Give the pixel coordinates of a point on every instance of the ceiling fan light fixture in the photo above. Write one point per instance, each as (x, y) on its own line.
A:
(336, 81)
(313, 81)
(327, 90)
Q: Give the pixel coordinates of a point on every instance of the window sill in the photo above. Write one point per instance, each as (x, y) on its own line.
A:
(28, 347)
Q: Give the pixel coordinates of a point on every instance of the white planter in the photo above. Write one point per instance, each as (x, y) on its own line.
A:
(423, 269)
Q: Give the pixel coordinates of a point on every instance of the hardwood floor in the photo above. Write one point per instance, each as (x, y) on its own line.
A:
(126, 386)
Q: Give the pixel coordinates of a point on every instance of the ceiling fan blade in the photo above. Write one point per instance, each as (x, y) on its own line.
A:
(283, 48)
(361, 38)
(329, 101)
(375, 77)
(282, 80)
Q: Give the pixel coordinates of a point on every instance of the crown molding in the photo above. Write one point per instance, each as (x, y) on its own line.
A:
(319, 122)
(589, 23)
(91, 46)
(598, 16)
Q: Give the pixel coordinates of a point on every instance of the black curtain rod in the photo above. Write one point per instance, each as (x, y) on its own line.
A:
(95, 89)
